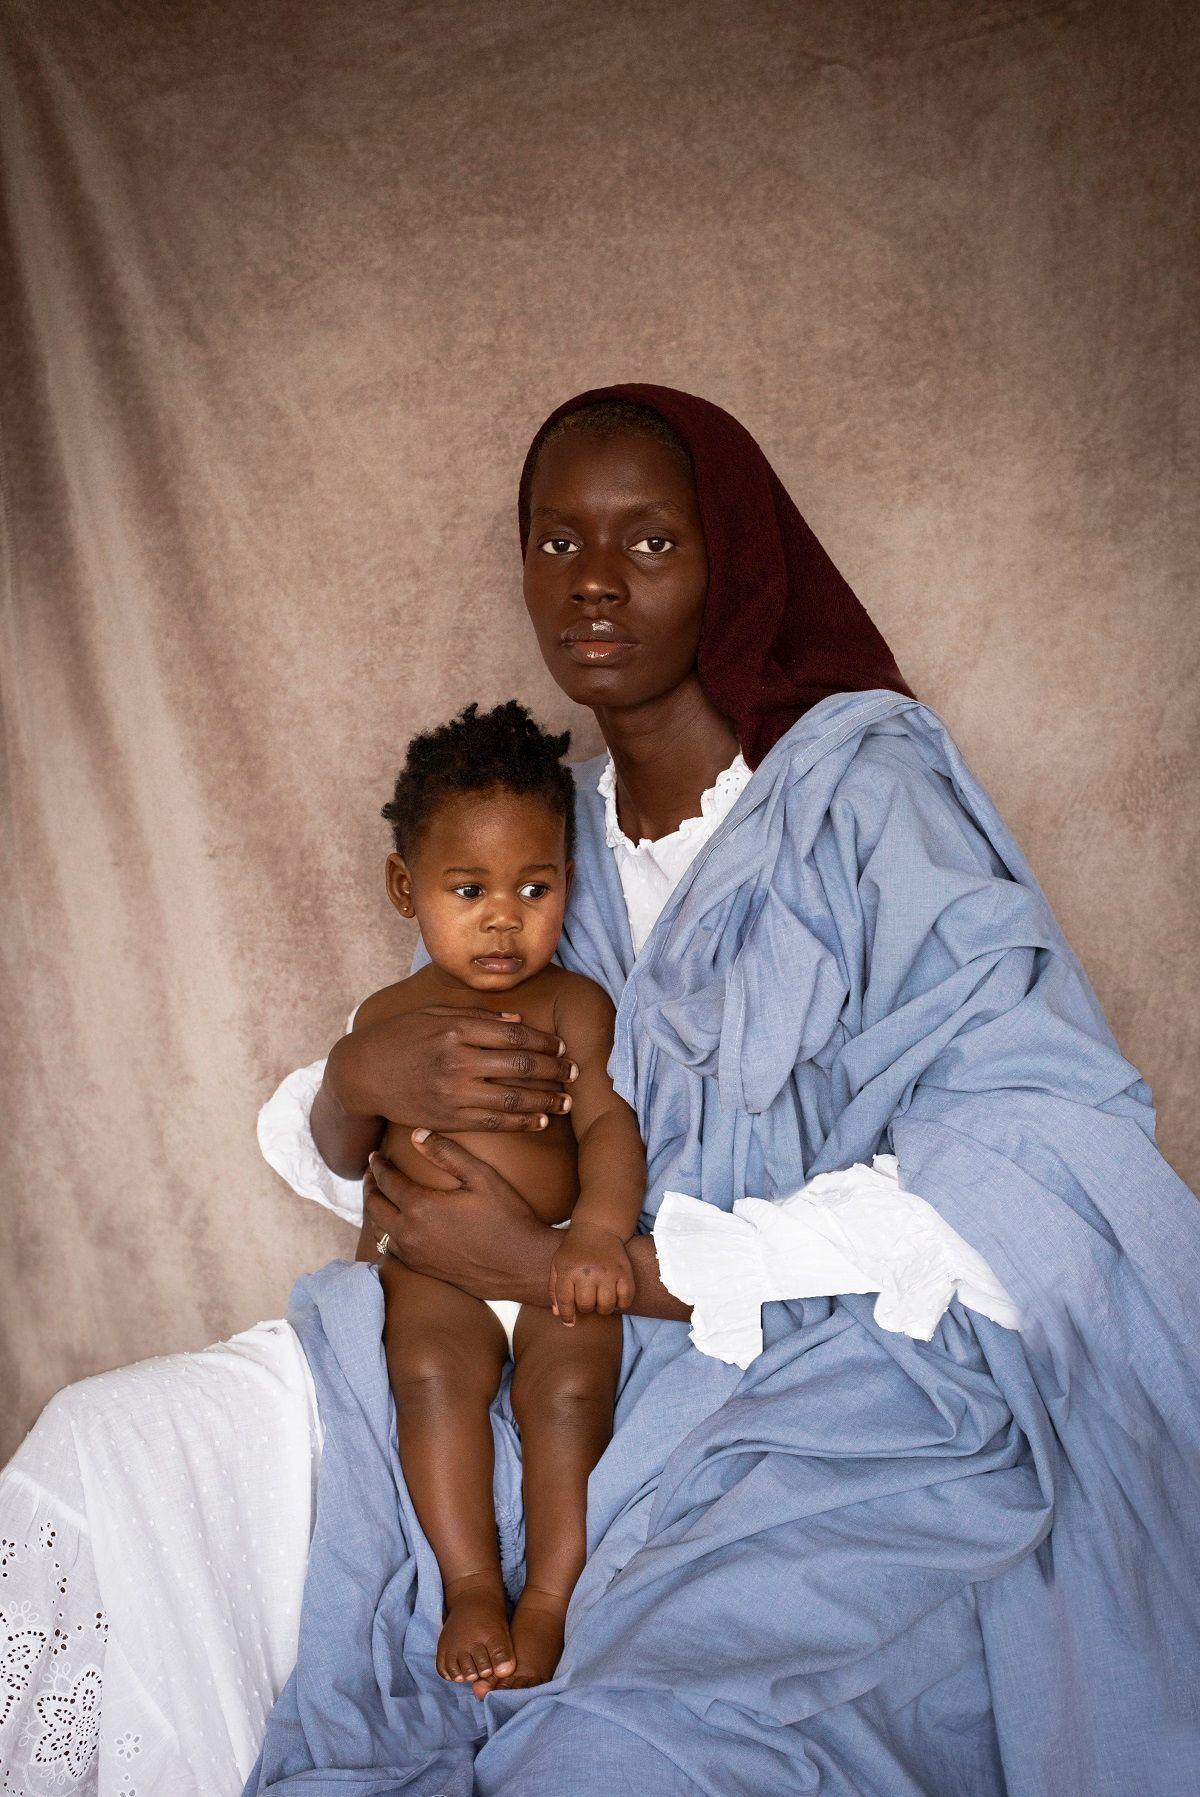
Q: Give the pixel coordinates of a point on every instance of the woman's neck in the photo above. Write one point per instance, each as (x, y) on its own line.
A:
(666, 752)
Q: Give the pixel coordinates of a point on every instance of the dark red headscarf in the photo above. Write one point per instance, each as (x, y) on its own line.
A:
(781, 628)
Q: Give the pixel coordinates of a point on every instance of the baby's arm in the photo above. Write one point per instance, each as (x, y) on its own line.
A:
(344, 1140)
(591, 1269)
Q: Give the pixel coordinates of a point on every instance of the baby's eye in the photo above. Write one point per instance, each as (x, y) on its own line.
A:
(468, 892)
(556, 545)
(654, 545)
(532, 890)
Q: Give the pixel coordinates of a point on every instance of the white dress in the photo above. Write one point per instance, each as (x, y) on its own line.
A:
(154, 1525)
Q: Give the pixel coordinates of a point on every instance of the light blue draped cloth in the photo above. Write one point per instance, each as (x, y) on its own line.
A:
(868, 1564)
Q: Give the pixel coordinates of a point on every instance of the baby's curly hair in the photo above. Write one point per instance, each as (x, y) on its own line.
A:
(475, 751)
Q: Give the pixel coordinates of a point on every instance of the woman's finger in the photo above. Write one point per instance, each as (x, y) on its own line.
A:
(380, 1212)
(524, 1099)
(497, 1122)
(487, 1029)
(500, 1065)
(453, 1158)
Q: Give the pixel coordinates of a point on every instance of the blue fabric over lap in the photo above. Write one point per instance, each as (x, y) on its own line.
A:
(867, 1564)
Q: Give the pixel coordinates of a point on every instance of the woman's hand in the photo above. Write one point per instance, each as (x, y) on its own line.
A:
(481, 1237)
(458, 1070)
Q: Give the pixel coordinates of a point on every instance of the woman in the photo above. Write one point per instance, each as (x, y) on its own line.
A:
(871, 1562)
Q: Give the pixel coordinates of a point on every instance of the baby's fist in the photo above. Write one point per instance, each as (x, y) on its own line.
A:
(590, 1272)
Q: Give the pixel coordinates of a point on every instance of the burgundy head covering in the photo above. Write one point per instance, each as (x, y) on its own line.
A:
(781, 628)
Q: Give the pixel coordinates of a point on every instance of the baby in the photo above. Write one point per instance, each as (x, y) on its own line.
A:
(483, 819)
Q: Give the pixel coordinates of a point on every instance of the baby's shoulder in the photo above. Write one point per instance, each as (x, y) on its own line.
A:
(391, 1001)
(577, 999)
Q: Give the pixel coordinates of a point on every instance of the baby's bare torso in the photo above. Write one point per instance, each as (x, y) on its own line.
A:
(541, 1164)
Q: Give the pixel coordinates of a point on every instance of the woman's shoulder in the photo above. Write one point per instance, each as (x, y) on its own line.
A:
(893, 772)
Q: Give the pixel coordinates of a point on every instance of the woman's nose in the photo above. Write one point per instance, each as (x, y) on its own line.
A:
(598, 578)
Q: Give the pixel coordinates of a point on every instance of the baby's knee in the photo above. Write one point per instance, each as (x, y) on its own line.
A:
(572, 1384)
(434, 1365)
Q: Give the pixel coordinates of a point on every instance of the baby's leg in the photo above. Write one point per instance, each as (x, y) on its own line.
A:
(563, 1390)
(445, 1354)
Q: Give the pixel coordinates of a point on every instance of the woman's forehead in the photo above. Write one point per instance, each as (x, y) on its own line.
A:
(632, 468)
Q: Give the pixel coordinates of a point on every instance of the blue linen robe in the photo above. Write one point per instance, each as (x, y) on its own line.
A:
(867, 1564)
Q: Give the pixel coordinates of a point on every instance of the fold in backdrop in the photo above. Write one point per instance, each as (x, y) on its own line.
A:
(287, 289)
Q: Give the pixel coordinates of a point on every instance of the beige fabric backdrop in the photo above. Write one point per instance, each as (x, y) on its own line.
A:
(291, 284)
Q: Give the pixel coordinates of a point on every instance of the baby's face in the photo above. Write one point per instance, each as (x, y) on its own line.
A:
(487, 881)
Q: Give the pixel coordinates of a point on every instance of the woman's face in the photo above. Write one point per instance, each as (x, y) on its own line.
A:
(615, 569)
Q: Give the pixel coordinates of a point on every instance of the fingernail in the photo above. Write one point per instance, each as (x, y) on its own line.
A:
(543, 1120)
(511, 1016)
(567, 1102)
(572, 1071)
(419, 1135)
(562, 1047)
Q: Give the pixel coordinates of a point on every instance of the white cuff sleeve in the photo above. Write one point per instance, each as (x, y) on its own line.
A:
(852, 1231)
(286, 1140)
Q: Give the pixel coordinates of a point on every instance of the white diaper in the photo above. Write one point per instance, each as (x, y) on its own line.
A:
(507, 1310)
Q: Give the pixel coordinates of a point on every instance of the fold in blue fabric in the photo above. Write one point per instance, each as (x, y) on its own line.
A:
(866, 1564)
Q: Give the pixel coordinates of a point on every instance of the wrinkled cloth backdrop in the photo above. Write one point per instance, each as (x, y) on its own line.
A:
(289, 288)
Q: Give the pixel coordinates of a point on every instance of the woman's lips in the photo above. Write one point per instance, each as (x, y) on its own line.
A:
(598, 642)
(603, 651)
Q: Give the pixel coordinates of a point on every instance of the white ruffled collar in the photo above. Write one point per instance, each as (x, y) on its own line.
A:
(713, 804)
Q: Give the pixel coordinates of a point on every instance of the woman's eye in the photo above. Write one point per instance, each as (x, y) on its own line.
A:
(531, 890)
(556, 546)
(654, 545)
(468, 892)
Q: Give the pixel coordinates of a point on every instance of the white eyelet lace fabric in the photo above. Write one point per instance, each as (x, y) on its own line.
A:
(53, 1645)
(153, 1537)
(53, 1636)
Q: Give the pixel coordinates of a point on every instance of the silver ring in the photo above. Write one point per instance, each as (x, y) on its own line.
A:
(382, 1244)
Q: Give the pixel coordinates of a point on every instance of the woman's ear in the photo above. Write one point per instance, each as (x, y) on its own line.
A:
(399, 885)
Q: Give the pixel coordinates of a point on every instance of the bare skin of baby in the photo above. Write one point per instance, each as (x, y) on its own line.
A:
(488, 882)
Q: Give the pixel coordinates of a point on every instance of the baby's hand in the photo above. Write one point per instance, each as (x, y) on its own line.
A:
(590, 1271)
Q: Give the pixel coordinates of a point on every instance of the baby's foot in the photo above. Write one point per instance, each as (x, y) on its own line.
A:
(475, 1646)
(537, 1637)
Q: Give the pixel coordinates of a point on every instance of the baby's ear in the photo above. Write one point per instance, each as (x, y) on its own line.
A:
(399, 885)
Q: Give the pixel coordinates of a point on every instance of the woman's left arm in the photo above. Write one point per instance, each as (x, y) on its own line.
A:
(482, 1236)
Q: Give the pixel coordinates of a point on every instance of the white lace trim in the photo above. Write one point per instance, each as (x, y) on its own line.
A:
(856, 1230)
(713, 805)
